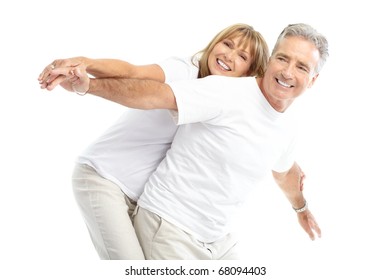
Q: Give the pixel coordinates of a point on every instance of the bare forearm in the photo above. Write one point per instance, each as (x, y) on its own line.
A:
(115, 68)
(108, 68)
(134, 93)
(290, 183)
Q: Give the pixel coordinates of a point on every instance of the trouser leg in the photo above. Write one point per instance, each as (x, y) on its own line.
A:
(107, 213)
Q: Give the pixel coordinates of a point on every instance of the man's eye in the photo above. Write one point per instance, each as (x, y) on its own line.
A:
(303, 69)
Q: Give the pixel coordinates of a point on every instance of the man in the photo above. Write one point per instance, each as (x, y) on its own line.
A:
(233, 132)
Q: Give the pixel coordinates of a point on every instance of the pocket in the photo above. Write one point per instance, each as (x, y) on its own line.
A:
(132, 207)
(135, 211)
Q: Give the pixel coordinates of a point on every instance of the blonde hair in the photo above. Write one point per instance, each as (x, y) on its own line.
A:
(248, 36)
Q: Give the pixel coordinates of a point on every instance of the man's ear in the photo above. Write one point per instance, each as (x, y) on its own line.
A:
(312, 81)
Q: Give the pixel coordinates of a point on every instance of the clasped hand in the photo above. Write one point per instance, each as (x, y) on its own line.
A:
(68, 73)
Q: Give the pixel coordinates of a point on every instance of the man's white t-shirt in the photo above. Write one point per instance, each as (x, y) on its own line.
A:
(228, 141)
(130, 150)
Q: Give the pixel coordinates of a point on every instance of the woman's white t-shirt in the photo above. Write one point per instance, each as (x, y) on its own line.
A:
(130, 150)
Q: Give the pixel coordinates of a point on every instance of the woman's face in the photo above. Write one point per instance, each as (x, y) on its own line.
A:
(228, 58)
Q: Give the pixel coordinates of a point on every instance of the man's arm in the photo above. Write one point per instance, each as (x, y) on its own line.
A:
(133, 93)
(290, 183)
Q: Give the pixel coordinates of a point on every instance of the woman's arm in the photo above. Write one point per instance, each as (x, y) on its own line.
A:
(102, 68)
(115, 68)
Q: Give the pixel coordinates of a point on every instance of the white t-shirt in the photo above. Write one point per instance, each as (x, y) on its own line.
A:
(228, 140)
(130, 150)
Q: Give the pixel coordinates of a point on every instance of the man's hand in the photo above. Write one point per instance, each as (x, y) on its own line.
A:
(302, 179)
(291, 183)
(309, 224)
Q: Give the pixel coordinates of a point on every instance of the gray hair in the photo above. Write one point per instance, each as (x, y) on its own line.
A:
(310, 34)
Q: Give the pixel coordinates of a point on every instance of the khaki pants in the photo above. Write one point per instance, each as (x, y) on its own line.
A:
(107, 212)
(161, 240)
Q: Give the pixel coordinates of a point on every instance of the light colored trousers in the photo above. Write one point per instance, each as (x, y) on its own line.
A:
(161, 240)
(107, 212)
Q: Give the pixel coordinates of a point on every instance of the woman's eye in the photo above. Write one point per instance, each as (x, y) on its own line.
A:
(227, 44)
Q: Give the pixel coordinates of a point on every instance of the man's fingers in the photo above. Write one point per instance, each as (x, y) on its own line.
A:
(316, 228)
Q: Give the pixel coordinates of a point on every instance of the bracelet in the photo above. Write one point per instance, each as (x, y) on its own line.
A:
(303, 208)
(78, 92)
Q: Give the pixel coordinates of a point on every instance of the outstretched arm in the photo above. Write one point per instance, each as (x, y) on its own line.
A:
(102, 68)
(133, 93)
(290, 184)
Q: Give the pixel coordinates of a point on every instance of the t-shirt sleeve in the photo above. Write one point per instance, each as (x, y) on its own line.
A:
(287, 158)
(200, 100)
(176, 69)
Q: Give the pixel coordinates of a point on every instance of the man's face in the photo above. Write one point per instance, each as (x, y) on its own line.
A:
(290, 71)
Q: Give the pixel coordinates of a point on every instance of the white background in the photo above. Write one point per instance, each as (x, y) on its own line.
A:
(344, 147)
